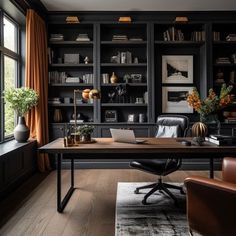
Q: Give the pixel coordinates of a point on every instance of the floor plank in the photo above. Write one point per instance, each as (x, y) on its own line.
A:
(31, 209)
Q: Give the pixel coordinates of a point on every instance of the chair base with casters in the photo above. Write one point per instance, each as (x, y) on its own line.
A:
(161, 187)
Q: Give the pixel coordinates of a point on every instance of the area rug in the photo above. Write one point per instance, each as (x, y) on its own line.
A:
(161, 217)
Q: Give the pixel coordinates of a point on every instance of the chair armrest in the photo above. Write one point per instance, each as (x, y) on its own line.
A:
(211, 206)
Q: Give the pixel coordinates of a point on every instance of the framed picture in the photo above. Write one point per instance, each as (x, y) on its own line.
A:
(177, 69)
(174, 100)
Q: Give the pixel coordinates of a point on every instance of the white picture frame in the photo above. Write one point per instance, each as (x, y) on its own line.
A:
(174, 100)
(177, 69)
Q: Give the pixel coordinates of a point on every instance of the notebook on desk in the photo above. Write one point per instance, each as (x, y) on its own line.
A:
(125, 136)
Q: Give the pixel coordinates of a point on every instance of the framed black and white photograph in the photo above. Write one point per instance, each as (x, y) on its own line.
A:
(177, 69)
(174, 100)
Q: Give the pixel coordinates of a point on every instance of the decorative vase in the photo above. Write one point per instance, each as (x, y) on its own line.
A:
(21, 131)
(212, 122)
(114, 78)
(57, 117)
(85, 138)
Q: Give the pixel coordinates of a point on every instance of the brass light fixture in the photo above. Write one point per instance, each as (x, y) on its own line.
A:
(181, 19)
(72, 20)
(125, 19)
(86, 95)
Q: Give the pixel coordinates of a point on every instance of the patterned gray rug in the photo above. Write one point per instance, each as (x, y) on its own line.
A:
(159, 218)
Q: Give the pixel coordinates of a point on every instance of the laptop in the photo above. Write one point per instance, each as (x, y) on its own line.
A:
(125, 136)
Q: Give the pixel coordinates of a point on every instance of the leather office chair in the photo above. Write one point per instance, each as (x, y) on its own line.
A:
(165, 123)
(211, 203)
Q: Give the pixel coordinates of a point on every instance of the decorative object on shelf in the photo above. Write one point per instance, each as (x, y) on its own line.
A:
(136, 78)
(177, 69)
(181, 19)
(131, 118)
(174, 100)
(111, 116)
(111, 95)
(233, 58)
(116, 58)
(67, 100)
(141, 118)
(121, 90)
(208, 107)
(114, 79)
(126, 78)
(125, 19)
(84, 132)
(135, 60)
(57, 115)
(72, 20)
(21, 100)
(70, 58)
(86, 60)
(86, 94)
(199, 129)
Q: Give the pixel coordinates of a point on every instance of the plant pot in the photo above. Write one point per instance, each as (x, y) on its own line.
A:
(21, 131)
(85, 138)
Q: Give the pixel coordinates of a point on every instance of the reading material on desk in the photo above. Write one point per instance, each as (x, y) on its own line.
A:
(222, 140)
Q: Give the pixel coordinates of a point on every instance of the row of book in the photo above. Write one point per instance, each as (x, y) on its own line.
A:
(198, 36)
(231, 37)
(56, 77)
(223, 60)
(56, 37)
(216, 36)
(172, 34)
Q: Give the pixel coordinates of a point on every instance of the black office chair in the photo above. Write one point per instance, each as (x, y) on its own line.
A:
(168, 126)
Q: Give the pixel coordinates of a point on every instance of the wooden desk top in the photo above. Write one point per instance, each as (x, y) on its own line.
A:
(153, 145)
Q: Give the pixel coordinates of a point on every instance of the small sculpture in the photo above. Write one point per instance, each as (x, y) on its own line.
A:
(86, 60)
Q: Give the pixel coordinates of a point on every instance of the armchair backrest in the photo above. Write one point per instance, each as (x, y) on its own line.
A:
(229, 169)
(174, 120)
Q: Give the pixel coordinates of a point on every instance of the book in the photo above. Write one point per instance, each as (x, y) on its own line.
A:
(223, 142)
(222, 137)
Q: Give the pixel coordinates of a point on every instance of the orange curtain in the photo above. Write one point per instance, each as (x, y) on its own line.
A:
(37, 79)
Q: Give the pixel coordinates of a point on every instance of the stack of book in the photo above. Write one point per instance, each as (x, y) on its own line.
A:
(230, 119)
(222, 140)
(82, 38)
(57, 77)
(223, 60)
(72, 80)
(136, 39)
(87, 78)
(54, 100)
(56, 37)
(119, 38)
(231, 37)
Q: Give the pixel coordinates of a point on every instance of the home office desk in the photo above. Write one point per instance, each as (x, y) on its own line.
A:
(152, 149)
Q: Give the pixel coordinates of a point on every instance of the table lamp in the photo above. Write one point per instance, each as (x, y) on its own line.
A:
(86, 95)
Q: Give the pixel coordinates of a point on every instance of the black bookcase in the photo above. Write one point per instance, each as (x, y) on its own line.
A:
(150, 36)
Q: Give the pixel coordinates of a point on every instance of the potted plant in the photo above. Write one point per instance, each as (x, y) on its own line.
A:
(85, 132)
(21, 100)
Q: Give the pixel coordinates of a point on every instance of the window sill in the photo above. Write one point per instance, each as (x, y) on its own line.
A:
(12, 145)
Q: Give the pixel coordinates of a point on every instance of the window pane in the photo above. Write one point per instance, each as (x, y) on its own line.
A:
(10, 35)
(10, 78)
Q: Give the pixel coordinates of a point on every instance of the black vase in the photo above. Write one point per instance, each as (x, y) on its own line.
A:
(21, 131)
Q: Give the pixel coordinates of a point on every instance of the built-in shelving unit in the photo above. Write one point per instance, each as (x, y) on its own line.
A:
(134, 52)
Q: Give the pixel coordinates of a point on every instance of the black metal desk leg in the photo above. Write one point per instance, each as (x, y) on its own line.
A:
(212, 168)
(61, 203)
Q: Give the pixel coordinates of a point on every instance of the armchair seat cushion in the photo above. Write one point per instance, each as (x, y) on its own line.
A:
(157, 167)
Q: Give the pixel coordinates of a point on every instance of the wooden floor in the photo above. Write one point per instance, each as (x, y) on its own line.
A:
(31, 210)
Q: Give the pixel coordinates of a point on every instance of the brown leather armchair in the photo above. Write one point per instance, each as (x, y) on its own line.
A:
(211, 203)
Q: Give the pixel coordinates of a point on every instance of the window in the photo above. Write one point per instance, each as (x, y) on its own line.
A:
(10, 64)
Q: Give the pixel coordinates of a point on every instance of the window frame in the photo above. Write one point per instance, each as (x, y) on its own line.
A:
(13, 55)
